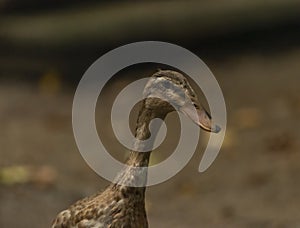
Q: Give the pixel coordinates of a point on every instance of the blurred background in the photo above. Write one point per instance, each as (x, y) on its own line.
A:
(253, 49)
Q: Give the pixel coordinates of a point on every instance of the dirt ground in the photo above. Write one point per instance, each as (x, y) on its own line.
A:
(254, 181)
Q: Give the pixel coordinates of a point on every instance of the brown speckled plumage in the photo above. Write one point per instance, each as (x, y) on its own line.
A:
(119, 205)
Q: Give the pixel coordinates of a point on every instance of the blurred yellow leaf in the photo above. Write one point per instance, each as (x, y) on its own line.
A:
(14, 175)
(41, 175)
(50, 83)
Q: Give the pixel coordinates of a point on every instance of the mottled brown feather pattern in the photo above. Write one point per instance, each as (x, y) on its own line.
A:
(115, 207)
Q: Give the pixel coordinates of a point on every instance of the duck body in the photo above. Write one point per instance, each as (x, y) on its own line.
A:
(116, 207)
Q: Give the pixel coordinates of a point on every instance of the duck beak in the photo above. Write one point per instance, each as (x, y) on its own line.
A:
(200, 117)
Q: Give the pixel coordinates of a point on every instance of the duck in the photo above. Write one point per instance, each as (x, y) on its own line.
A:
(122, 203)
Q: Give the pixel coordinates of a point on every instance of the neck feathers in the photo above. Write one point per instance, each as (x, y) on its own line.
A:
(135, 174)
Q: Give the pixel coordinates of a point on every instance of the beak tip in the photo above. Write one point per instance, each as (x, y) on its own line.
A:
(216, 129)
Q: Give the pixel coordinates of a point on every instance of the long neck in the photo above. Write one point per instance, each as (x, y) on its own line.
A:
(137, 157)
(131, 175)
